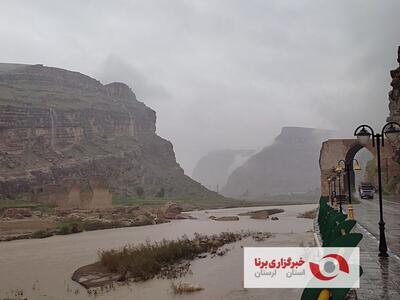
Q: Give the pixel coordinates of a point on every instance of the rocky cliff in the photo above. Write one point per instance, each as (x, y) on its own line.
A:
(65, 138)
(213, 169)
(393, 184)
(394, 94)
(289, 165)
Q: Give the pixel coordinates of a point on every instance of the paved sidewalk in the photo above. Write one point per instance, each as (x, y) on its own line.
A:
(367, 215)
(381, 278)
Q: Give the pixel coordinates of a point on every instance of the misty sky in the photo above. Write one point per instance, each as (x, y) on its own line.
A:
(221, 74)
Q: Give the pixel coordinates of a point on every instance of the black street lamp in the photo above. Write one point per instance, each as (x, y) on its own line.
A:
(339, 174)
(329, 187)
(348, 168)
(391, 130)
(334, 192)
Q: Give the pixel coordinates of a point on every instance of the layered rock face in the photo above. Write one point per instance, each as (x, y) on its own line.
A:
(213, 169)
(289, 165)
(67, 139)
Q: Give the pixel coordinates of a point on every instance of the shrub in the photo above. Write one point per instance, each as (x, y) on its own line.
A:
(160, 193)
(41, 234)
(69, 228)
(144, 261)
(139, 191)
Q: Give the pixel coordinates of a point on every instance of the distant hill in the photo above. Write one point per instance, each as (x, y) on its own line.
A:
(289, 165)
(213, 169)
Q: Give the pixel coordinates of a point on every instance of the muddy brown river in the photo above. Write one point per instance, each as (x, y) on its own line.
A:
(41, 269)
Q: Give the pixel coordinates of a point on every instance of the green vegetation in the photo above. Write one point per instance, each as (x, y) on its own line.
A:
(23, 203)
(69, 228)
(145, 261)
(75, 226)
(140, 191)
(371, 169)
(161, 193)
(41, 234)
(390, 187)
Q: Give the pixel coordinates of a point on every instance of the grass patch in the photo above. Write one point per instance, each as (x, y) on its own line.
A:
(22, 203)
(145, 261)
(69, 228)
(76, 226)
(41, 234)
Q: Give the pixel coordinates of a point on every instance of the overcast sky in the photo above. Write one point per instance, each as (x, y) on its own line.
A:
(221, 74)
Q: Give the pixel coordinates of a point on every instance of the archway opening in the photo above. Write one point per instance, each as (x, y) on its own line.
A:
(367, 163)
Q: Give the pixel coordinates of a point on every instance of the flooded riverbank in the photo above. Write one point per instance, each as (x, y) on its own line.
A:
(42, 268)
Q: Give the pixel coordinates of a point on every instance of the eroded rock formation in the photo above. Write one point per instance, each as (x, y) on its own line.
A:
(67, 139)
(394, 94)
(289, 165)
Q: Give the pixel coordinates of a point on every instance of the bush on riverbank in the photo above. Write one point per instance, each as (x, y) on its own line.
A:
(76, 226)
(41, 234)
(144, 261)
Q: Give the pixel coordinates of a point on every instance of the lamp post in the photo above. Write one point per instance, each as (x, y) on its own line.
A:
(347, 168)
(334, 192)
(329, 187)
(363, 133)
(339, 174)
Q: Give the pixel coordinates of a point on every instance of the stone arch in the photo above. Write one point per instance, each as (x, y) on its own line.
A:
(350, 155)
(334, 150)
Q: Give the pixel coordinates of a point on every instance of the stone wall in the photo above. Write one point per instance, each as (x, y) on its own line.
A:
(334, 150)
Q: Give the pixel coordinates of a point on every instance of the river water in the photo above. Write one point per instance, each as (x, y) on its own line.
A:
(42, 268)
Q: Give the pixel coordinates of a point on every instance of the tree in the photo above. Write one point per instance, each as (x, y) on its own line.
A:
(161, 193)
(140, 191)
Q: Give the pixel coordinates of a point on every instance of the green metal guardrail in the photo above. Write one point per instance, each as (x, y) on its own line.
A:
(335, 231)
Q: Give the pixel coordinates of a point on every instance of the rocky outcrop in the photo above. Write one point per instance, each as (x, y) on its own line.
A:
(17, 213)
(394, 94)
(70, 140)
(170, 211)
(213, 169)
(289, 165)
(393, 186)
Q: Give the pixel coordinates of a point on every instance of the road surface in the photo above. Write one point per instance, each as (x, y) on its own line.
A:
(367, 215)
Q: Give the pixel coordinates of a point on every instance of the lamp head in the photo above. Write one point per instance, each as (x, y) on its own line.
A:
(363, 136)
(339, 169)
(356, 165)
(392, 132)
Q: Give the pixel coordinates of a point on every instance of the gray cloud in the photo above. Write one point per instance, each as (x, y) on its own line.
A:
(118, 69)
(221, 74)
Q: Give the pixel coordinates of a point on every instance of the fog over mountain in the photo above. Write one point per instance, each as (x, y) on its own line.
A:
(289, 165)
(221, 74)
(213, 169)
